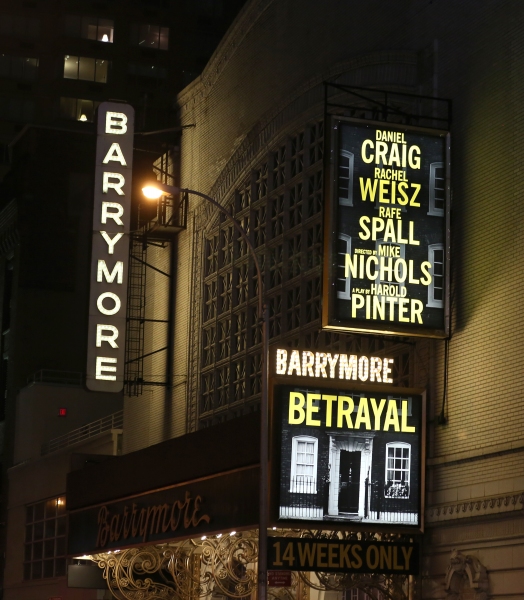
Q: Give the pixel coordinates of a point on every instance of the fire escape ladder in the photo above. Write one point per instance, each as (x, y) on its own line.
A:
(136, 309)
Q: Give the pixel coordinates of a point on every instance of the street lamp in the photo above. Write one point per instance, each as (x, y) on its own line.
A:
(153, 191)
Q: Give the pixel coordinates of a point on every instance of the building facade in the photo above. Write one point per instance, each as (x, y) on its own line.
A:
(254, 137)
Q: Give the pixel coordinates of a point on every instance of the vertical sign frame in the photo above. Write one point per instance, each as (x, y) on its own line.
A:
(386, 229)
(110, 248)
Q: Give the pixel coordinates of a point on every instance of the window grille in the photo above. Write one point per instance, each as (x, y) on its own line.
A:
(280, 204)
(436, 287)
(398, 457)
(45, 539)
(437, 189)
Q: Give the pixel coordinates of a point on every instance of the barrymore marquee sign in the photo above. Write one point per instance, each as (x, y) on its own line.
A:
(110, 248)
(387, 230)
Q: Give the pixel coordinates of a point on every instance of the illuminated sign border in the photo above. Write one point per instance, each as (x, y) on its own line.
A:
(276, 458)
(329, 293)
(110, 248)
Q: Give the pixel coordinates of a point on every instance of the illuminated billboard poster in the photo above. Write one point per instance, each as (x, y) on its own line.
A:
(110, 248)
(348, 456)
(386, 264)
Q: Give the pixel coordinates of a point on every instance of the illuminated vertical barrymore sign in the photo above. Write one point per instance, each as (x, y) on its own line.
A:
(110, 248)
(387, 230)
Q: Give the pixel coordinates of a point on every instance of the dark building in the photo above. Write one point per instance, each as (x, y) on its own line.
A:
(60, 59)
(58, 62)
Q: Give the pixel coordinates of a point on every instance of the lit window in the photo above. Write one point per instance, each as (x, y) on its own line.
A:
(89, 28)
(304, 452)
(345, 178)
(77, 109)
(87, 69)
(343, 283)
(437, 189)
(45, 541)
(436, 287)
(398, 458)
(150, 36)
(18, 67)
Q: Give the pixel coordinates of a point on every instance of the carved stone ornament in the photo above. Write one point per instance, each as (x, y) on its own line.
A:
(466, 578)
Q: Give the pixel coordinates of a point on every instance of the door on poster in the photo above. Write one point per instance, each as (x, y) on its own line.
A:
(349, 477)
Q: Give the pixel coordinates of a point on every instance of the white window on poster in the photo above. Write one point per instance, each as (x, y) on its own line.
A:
(436, 287)
(398, 461)
(343, 283)
(437, 189)
(345, 178)
(304, 452)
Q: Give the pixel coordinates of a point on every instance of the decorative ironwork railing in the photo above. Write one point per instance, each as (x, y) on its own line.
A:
(114, 421)
(368, 501)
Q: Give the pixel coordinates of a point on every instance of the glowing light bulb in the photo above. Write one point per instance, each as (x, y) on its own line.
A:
(105, 38)
(82, 118)
(151, 192)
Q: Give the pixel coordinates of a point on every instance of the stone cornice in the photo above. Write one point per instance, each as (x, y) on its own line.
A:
(492, 505)
(240, 28)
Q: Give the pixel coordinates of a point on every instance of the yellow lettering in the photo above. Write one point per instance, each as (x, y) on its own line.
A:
(345, 412)
(377, 410)
(296, 406)
(306, 553)
(356, 549)
(322, 555)
(288, 555)
(391, 416)
(385, 557)
(363, 414)
(417, 187)
(367, 144)
(372, 563)
(366, 187)
(407, 556)
(404, 413)
(311, 408)
(329, 407)
(333, 556)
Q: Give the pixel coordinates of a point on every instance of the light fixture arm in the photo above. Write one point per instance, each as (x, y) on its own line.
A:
(263, 315)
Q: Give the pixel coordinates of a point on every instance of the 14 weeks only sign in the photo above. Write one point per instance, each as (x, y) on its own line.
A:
(386, 230)
(343, 556)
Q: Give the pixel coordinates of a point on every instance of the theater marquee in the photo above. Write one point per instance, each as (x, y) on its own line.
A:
(110, 248)
(386, 266)
(347, 450)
